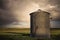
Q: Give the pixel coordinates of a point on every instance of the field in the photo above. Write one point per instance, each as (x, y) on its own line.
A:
(17, 30)
(15, 34)
(24, 34)
(55, 33)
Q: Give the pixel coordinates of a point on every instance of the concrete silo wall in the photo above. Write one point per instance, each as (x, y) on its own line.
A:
(40, 24)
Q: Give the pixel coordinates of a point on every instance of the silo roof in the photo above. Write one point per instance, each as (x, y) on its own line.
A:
(39, 10)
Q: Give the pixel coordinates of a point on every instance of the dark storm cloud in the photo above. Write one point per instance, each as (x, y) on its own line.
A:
(12, 10)
(1, 4)
(54, 2)
(55, 24)
(6, 17)
(52, 6)
(55, 10)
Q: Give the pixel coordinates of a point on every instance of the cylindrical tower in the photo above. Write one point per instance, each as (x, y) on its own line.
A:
(40, 24)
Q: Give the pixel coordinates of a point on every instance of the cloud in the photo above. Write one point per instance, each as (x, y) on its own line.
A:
(16, 11)
(55, 24)
(6, 17)
(19, 10)
(51, 6)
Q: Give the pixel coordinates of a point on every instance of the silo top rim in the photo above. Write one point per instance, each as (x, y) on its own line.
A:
(39, 10)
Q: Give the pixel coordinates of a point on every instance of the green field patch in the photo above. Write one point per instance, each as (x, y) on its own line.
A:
(55, 31)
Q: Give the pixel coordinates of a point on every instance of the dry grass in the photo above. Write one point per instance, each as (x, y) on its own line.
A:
(53, 31)
(17, 30)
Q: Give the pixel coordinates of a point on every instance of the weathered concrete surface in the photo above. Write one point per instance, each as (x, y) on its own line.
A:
(40, 24)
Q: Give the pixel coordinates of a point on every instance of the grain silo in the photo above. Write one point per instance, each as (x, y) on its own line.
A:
(40, 24)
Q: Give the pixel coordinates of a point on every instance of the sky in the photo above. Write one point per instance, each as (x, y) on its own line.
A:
(15, 13)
